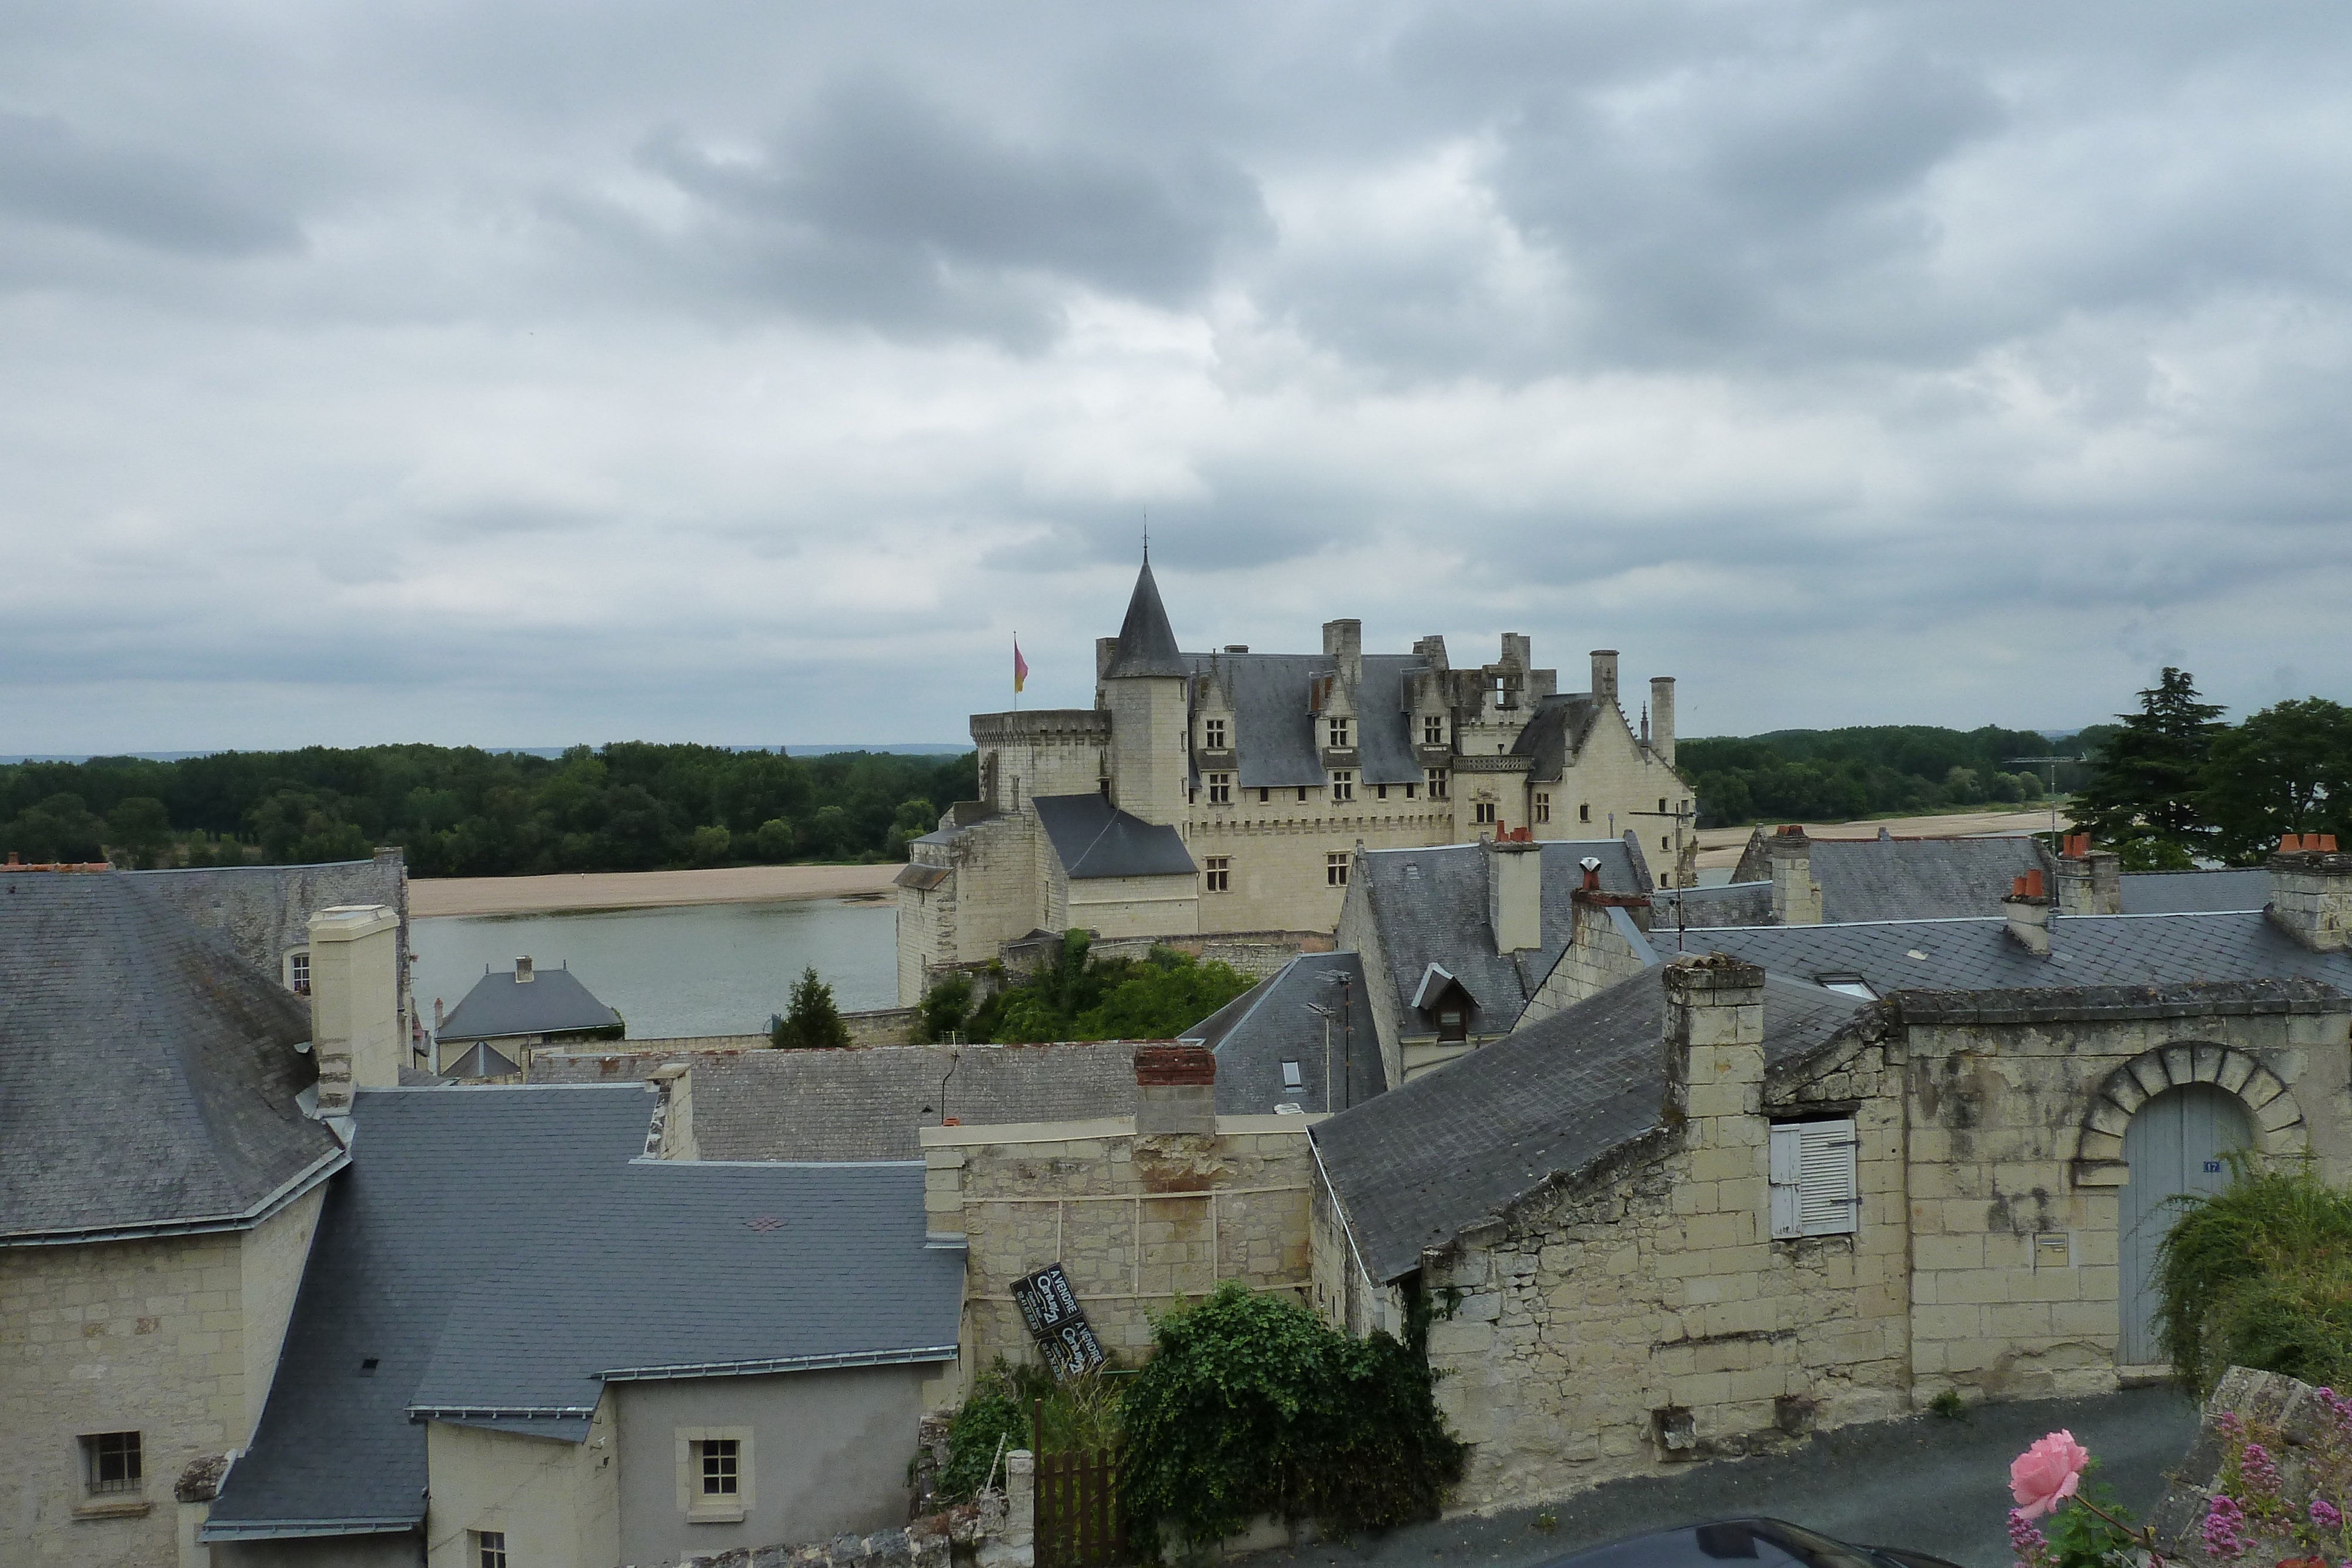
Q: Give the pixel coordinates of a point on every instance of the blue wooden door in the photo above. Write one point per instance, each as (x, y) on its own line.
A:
(2174, 1144)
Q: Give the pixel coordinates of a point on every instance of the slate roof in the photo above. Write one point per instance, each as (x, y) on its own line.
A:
(1554, 732)
(1731, 903)
(2178, 892)
(1095, 838)
(2084, 950)
(1257, 1032)
(499, 1006)
(482, 1060)
(865, 1104)
(1147, 644)
(1275, 743)
(1908, 879)
(1429, 906)
(478, 1306)
(1450, 1149)
(148, 1073)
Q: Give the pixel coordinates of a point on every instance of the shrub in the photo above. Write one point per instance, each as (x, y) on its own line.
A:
(2259, 1275)
(813, 1022)
(1251, 1405)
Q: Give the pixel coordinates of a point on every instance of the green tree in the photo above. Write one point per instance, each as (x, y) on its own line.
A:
(775, 840)
(2286, 770)
(59, 828)
(811, 1021)
(711, 844)
(141, 828)
(944, 1005)
(2143, 797)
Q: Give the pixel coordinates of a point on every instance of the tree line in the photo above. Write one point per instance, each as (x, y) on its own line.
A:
(1832, 774)
(465, 811)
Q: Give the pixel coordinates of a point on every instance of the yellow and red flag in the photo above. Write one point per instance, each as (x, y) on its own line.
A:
(1020, 667)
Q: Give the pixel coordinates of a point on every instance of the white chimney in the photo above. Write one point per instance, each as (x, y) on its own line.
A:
(1514, 891)
(1662, 718)
(354, 1001)
(1796, 896)
(523, 976)
(1605, 674)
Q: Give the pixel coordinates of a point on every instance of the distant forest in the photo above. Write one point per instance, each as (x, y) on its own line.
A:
(460, 811)
(1834, 775)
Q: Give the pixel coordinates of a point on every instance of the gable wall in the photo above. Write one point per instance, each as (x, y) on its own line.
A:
(557, 1502)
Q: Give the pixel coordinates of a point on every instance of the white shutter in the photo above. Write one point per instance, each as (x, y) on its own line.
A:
(1828, 1202)
(1787, 1164)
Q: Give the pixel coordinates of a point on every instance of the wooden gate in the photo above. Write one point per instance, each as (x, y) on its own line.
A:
(1079, 1521)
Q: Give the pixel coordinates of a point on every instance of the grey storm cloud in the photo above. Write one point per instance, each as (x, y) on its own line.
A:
(519, 373)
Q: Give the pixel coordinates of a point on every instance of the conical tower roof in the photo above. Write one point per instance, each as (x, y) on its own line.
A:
(1147, 646)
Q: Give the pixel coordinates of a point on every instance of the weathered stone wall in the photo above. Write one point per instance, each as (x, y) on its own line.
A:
(175, 1339)
(1598, 955)
(2282, 1414)
(1137, 1222)
(1134, 905)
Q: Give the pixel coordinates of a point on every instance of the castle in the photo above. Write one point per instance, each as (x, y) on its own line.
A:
(1229, 792)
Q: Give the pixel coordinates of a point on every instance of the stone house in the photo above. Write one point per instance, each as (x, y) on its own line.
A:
(169, 1121)
(510, 1014)
(1720, 1202)
(1227, 792)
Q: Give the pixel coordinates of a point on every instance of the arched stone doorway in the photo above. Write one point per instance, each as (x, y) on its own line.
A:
(2178, 1143)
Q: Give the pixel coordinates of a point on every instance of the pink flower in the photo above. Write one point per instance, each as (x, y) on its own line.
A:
(2046, 1474)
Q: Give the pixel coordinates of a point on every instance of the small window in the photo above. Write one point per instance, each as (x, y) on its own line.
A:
(1221, 789)
(1335, 870)
(1543, 806)
(1433, 731)
(1343, 785)
(298, 970)
(1453, 1025)
(1584, 812)
(716, 1459)
(1665, 843)
(1290, 1079)
(1482, 812)
(1814, 1189)
(1338, 730)
(1383, 790)
(1212, 734)
(1847, 985)
(1302, 794)
(1216, 871)
(1263, 796)
(1662, 805)
(1435, 779)
(488, 1548)
(111, 1464)
(1409, 789)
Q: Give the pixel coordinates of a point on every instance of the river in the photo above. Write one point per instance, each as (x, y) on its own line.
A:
(705, 968)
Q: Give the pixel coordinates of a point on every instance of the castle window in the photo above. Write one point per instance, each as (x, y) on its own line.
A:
(1302, 794)
(109, 1462)
(1543, 806)
(1221, 789)
(1814, 1190)
(1212, 734)
(1338, 728)
(1584, 812)
(1409, 789)
(1343, 786)
(1662, 805)
(490, 1548)
(1263, 796)
(1216, 870)
(1433, 731)
(1665, 843)
(1436, 777)
(1484, 812)
(1335, 870)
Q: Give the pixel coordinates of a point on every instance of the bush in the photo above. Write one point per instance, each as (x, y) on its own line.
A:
(2259, 1275)
(1082, 1414)
(1251, 1405)
(813, 1022)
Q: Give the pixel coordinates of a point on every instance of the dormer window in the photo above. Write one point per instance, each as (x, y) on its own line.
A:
(1221, 789)
(1343, 785)
(1212, 734)
(1433, 731)
(1453, 1025)
(1338, 730)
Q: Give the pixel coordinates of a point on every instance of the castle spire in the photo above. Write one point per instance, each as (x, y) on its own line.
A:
(1147, 644)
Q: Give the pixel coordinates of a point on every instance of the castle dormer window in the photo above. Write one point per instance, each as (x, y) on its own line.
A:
(1212, 734)
(1433, 731)
(1338, 730)
(1343, 785)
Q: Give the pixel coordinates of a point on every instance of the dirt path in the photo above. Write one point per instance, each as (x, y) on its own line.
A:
(1721, 846)
(643, 889)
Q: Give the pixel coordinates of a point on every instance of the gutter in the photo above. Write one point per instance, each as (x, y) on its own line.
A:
(302, 1181)
(780, 1364)
(301, 1529)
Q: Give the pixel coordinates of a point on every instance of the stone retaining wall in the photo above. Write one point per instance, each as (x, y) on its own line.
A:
(2282, 1412)
(996, 1531)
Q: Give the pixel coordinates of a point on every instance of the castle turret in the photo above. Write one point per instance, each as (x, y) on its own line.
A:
(1143, 688)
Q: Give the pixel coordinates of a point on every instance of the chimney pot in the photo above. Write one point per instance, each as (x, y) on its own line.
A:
(2311, 892)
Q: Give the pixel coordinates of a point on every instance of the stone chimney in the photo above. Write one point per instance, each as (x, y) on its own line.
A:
(1175, 1090)
(671, 1135)
(354, 1002)
(1604, 675)
(2029, 915)
(1796, 896)
(1514, 890)
(523, 976)
(1662, 718)
(1106, 650)
(2090, 882)
(2311, 892)
(1714, 1044)
(1343, 644)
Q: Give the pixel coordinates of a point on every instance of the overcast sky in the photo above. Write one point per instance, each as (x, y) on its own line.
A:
(754, 372)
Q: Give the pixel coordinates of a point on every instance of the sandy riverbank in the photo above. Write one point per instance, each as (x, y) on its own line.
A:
(1721, 846)
(642, 889)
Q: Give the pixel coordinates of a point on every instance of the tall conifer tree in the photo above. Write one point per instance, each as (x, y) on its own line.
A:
(2144, 796)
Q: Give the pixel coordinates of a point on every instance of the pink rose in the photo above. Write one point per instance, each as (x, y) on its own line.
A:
(2046, 1474)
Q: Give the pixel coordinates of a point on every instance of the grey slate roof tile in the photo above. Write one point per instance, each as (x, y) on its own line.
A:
(499, 1005)
(1146, 645)
(148, 1073)
(1909, 879)
(1274, 737)
(588, 1260)
(1095, 838)
(2181, 891)
(1430, 907)
(866, 1104)
(1257, 1032)
(1694, 908)
(1452, 1148)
